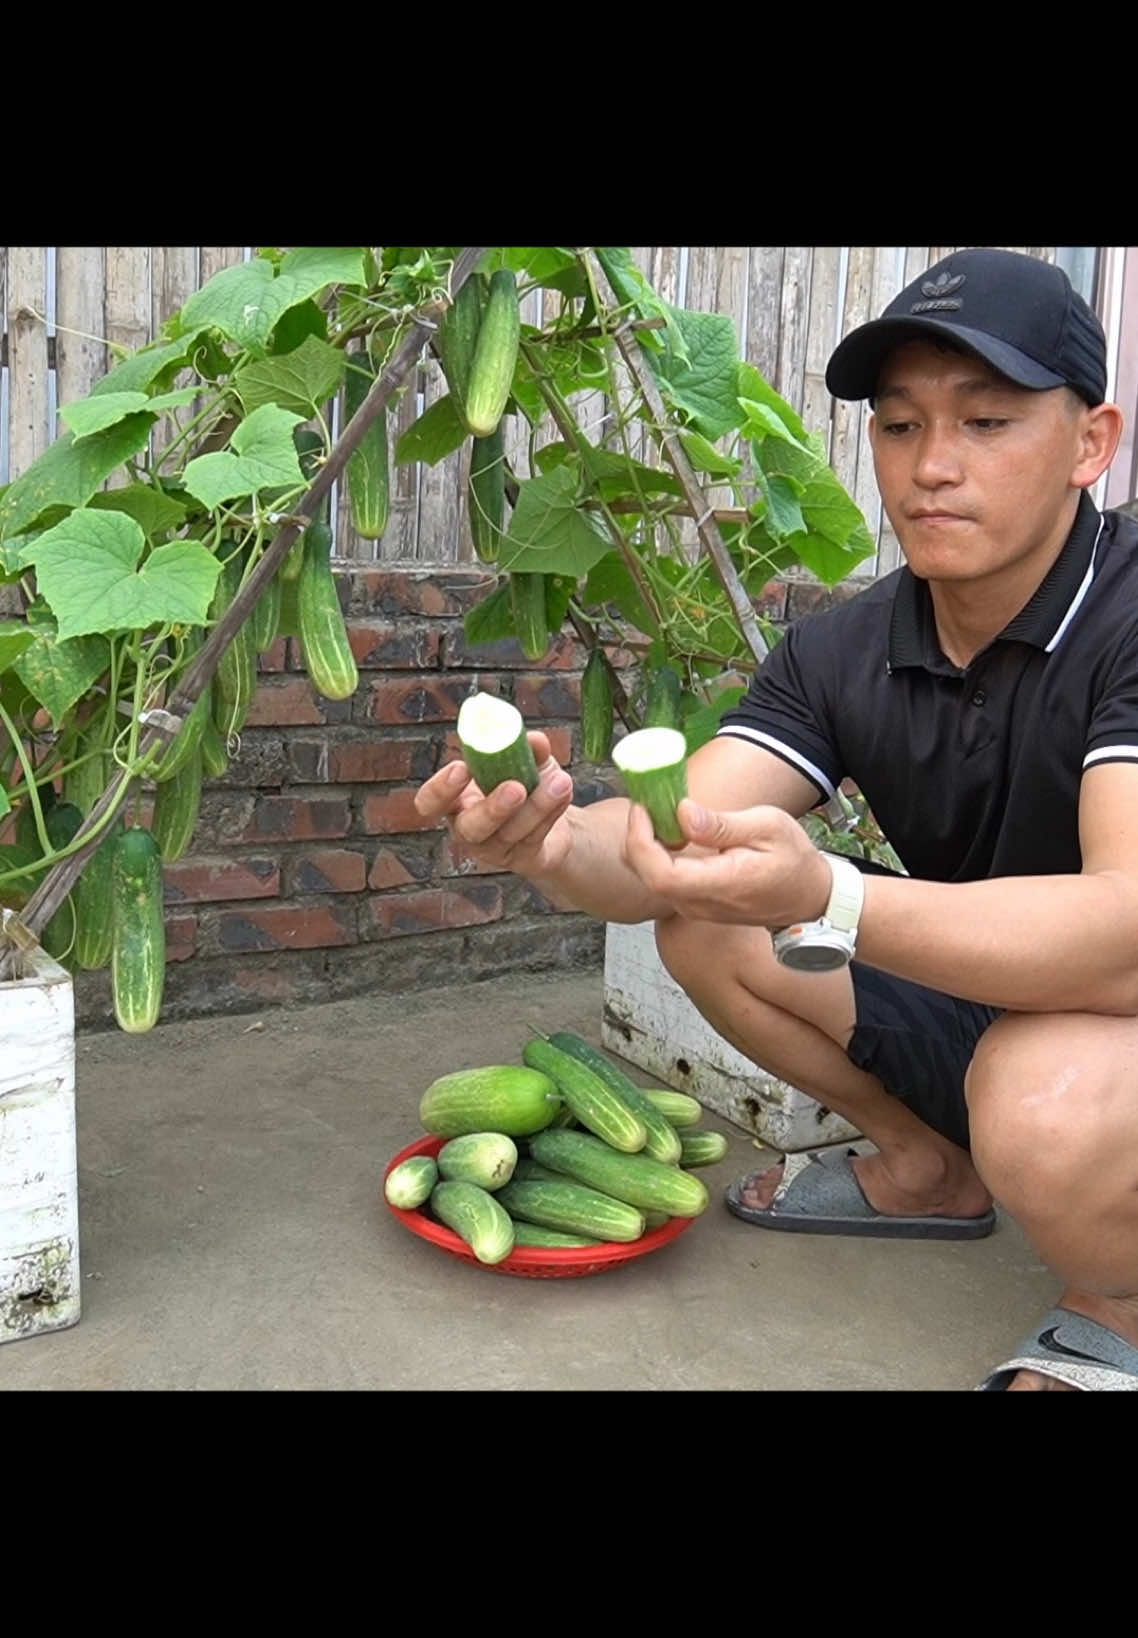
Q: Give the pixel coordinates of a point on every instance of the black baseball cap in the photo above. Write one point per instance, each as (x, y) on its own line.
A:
(1020, 314)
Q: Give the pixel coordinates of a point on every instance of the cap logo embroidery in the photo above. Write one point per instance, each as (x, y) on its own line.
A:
(943, 285)
(940, 290)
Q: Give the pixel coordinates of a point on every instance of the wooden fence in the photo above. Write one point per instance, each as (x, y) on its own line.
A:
(791, 305)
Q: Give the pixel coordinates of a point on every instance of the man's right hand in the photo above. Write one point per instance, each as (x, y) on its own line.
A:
(506, 830)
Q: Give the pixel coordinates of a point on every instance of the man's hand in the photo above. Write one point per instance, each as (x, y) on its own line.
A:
(506, 830)
(757, 868)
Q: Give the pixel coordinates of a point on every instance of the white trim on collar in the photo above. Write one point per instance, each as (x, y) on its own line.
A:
(1084, 587)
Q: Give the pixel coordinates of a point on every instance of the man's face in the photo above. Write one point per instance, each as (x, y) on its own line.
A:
(973, 471)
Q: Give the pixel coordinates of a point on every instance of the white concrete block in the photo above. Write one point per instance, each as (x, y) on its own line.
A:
(649, 1020)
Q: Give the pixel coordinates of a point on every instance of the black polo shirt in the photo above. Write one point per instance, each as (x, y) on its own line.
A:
(970, 773)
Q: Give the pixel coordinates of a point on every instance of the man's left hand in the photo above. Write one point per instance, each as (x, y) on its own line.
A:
(760, 868)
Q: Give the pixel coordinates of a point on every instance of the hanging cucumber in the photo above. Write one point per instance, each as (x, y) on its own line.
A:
(653, 765)
(138, 934)
(527, 606)
(265, 616)
(309, 447)
(494, 745)
(662, 699)
(189, 735)
(367, 471)
(328, 654)
(215, 757)
(235, 680)
(486, 493)
(495, 355)
(176, 810)
(458, 339)
(91, 895)
(288, 615)
(596, 707)
(58, 937)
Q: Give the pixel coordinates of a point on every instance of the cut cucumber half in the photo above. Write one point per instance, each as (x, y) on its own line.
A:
(494, 744)
(653, 765)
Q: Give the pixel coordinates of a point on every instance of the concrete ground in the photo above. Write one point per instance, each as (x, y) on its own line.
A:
(234, 1236)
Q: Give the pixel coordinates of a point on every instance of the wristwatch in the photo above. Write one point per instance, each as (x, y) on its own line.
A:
(824, 945)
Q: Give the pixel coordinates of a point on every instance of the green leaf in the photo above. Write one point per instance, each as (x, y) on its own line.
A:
(633, 290)
(86, 570)
(547, 533)
(491, 620)
(704, 456)
(265, 458)
(5, 805)
(524, 389)
(69, 473)
(14, 638)
(761, 421)
(311, 267)
(754, 387)
(702, 725)
(300, 380)
(538, 262)
(154, 512)
(304, 320)
(92, 414)
(609, 582)
(618, 475)
(784, 514)
(832, 560)
(59, 673)
(436, 434)
(703, 385)
(140, 369)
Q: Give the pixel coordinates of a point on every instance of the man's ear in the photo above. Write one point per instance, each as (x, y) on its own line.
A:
(1099, 438)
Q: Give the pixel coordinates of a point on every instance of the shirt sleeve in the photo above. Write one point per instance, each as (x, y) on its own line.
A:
(783, 711)
(1112, 734)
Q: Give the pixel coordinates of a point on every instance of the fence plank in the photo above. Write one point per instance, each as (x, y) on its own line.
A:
(821, 335)
(763, 308)
(847, 416)
(215, 258)
(174, 278)
(28, 434)
(442, 492)
(794, 310)
(80, 301)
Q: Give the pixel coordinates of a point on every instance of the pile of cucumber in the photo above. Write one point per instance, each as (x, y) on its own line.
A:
(560, 1150)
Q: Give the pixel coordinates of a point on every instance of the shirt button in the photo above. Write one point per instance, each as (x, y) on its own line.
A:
(979, 696)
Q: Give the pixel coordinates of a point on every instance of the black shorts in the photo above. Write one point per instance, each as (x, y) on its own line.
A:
(918, 1042)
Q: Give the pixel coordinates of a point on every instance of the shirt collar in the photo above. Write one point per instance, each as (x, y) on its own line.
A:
(912, 627)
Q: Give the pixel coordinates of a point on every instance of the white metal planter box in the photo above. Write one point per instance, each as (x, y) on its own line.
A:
(650, 1021)
(39, 1197)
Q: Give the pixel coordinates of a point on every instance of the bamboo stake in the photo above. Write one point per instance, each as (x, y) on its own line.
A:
(60, 879)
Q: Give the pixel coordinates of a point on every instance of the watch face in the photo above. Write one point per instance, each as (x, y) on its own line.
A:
(814, 958)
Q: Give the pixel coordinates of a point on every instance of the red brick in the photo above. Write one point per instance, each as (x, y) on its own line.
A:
(455, 859)
(391, 914)
(328, 870)
(298, 818)
(393, 811)
(359, 761)
(285, 927)
(403, 591)
(563, 654)
(771, 601)
(197, 880)
(398, 867)
(181, 937)
(274, 658)
(392, 645)
(423, 699)
(555, 696)
(285, 701)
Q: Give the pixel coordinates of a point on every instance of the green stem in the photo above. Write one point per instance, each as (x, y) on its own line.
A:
(29, 778)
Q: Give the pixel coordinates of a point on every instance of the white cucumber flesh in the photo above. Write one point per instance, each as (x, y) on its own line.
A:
(653, 765)
(492, 733)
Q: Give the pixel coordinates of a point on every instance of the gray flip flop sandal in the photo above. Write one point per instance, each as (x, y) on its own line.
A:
(1072, 1349)
(820, 1194)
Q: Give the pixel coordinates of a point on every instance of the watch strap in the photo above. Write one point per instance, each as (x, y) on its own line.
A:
(847, 894)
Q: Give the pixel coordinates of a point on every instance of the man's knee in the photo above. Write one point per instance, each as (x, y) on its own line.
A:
(1043, 1109)
(702, 952)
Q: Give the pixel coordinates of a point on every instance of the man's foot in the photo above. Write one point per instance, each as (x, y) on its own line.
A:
(933, 1183)
(1116, 1313)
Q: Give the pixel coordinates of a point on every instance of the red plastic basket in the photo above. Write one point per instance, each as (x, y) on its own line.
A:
(531, 1262)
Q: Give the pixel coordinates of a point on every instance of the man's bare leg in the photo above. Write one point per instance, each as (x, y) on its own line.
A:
(1053, 1116)
(796, 1027)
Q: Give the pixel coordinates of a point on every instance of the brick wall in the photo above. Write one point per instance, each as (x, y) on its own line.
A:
(312, 877)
